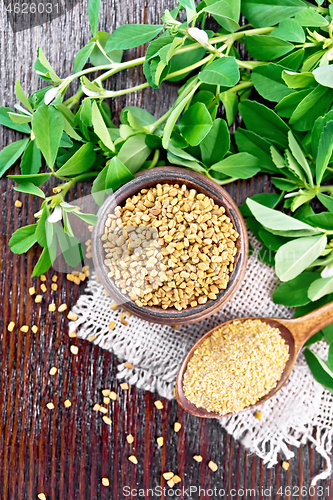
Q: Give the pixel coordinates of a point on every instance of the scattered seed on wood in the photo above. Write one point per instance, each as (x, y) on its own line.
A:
(43, 277)
(72, 335)
(24, 328)
(62, 308)
(168, 475)
(96, 407)
(159, 405)
(32, 290)
(285, 465)
(160, 441)
(107, 420)
(112, 324)
(133, 459)
(34, 328)
(72, 316)
(106, 392)
(41, 496)
(106, 400)
(226, 374)
(18, 203)
(52, 307)
(212, 465)
(197, 458)
(176, 479)
(170, 483)
(105, 481)
(67, 403)
(124, 386)
(74, 349)
(103, 410)
(50, 406)
(129, 438)
(53, 370)
(43, 287)
(113, 395)
(54, 278)
(11, 326)
(177, 426)
(38, 299)
(92, 338)
(128, 365)
(258, 415)
(54, 287)
(70, 277)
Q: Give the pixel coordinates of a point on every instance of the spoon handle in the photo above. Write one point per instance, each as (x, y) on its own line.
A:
(304, 327)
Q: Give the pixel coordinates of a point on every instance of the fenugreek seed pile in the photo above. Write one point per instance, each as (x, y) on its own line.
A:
(170, 247)
(235, 366)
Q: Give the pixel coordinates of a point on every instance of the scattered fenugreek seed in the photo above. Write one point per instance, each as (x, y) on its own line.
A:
(43, 277)
(53, 370)
(54, 287)
(124, 386)
(72, 335)
(112, 325)
(168, 475)
(106, 401)
(70, 277)
(197, 458)
(106, 392)
(258, 415)
(124, 322)
(52, 307)
(129, 438)
(18, 204)
(38, 299)
(102, 409)
(62, 307)
(170, 483)
(96, 407)
(54, 278)
(32, 290)
(107, 420)
(128, 313)
(113, 395)
(177, 426)
(105, 481)
(128, 365)
(41, 496)
(11, 326)
(67, 403)
(160, 441)
(34, 328)
(114, 306)
(24, 328)
(235, 366)
(133, 459)
(212, 465)
(92, 338)
(74, 349)
(159, 405)
(72, 316)
(285, 465)
(43, 287)
(176, 479)
(50, 406)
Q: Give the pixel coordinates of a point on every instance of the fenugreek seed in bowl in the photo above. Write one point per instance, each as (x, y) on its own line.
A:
(235, 366)
(170, 246)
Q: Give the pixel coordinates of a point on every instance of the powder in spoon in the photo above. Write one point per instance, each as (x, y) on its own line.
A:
(235, 366)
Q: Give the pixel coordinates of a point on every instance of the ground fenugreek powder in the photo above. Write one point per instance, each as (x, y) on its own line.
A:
(170, 246)
(235, 366)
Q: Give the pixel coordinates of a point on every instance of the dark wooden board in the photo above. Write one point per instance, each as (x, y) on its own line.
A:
(65, 452)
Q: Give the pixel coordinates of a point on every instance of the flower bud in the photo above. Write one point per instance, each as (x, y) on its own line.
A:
(200, 36)
(51, 94)
(327, 272)
(56, 215)
(88, 92)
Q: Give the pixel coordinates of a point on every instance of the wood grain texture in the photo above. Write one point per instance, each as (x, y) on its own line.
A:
(65, 452)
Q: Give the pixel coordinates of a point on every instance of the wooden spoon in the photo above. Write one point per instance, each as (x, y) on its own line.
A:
(295, 332)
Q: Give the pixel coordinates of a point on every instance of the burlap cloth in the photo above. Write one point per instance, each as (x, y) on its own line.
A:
(301, 411)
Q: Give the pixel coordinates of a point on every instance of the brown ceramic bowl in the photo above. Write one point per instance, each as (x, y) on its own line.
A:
(171, 175)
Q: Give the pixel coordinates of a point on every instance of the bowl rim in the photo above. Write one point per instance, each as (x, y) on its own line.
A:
(172, 175)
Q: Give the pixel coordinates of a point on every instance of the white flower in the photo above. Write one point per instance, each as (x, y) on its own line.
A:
(51, 94)
(327, 272)
(200, 36)
(88, 92)
(56, 215)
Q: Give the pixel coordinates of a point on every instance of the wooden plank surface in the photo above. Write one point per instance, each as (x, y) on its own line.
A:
(66, 452)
